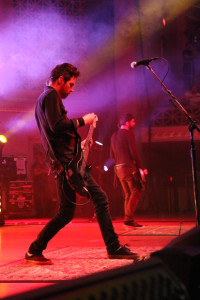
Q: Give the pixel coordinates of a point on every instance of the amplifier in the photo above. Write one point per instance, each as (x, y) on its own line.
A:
(13, 168)
(20, 198)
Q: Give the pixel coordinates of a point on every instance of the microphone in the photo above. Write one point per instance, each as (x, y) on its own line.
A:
(135, 64)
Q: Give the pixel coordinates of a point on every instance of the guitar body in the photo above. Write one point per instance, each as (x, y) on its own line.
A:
(78, 169)
(83, 168)
(139, 176)
(76, 180)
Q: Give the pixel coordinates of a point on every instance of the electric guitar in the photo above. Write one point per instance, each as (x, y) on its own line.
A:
(82, 163)
(139, 175)
(76, 170)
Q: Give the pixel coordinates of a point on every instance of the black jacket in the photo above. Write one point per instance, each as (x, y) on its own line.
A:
(55, 127)
(123, 148)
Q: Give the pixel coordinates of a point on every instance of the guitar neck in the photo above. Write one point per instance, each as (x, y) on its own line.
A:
(87, 143)
(87, 147)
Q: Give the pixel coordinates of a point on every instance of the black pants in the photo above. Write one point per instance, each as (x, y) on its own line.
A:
(67, 198)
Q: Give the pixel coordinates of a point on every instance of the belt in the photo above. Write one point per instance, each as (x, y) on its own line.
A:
(121, 166)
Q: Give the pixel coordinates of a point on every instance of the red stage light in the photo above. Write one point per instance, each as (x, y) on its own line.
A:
(164, 22)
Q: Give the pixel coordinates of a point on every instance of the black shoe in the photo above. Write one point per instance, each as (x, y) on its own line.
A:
(123, 253)
(132, 223)
(37, 259)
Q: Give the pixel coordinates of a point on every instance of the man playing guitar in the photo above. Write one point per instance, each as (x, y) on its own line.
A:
(61, 142)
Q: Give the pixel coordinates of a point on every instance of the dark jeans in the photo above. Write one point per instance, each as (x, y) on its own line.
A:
(67, 198)
(132, 191)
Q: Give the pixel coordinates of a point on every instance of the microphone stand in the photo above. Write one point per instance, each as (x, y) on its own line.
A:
(192, 126)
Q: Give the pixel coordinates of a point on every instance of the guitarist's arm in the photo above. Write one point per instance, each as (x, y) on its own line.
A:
(55, 114)
(57, 119)
(133, 150)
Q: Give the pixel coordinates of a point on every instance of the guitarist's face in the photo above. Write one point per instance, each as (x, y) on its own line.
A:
(66, 87)
(131, 123)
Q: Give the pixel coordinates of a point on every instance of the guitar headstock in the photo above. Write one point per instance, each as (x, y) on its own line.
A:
(95, 121)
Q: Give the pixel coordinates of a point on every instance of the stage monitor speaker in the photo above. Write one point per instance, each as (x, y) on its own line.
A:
(182, 256)
(149, 280)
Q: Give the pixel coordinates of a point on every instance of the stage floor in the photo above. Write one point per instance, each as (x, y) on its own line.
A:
(76, 251)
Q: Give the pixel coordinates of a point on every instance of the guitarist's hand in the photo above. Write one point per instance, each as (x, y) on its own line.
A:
(143, 174)
(84, 142)
(89, 118)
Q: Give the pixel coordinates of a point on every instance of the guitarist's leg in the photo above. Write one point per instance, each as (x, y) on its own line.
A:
(100, 201)
(124, 174)
(67, 198)
(134, 197)
(127, 193)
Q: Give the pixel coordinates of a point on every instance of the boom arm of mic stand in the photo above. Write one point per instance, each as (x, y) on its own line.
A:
(191, 128)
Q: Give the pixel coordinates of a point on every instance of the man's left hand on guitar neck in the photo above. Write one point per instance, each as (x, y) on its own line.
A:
(89, 118)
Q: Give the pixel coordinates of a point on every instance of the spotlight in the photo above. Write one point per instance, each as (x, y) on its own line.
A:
(99, 143)
(105, 168)
(109, 163)
(3, 140)
(164, 22)
(97, 146)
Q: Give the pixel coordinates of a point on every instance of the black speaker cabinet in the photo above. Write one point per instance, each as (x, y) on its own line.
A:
(13, 168)
(2, 220)
(182, 256)
(8, 169)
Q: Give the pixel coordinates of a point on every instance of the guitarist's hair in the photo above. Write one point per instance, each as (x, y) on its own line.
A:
(65, 70)
(125, 117)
